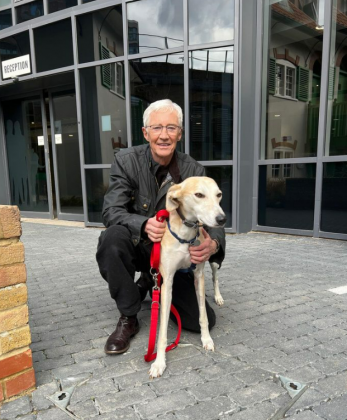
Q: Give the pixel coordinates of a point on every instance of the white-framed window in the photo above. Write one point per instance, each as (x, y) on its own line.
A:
(285, 170)
(117, 79)
(285, 79)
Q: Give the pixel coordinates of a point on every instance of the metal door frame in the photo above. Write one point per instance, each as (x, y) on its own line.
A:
(60, 214)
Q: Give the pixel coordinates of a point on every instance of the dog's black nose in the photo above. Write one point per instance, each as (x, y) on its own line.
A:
(221, 219)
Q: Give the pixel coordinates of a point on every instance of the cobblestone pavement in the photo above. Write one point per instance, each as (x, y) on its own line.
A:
(279, 317)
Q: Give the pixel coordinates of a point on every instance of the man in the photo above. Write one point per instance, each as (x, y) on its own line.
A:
(139, 180)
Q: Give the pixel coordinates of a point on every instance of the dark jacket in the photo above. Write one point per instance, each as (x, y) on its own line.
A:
(133, 195)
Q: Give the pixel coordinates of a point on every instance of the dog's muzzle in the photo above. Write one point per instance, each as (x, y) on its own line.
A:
(221, 219)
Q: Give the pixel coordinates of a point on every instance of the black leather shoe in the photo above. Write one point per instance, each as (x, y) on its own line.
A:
(119, 341)
(144, 283)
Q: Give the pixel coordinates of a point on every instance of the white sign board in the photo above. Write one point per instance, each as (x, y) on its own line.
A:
(58, 139)
(40, 141)
(16, 67)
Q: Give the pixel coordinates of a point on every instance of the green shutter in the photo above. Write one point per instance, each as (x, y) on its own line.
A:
(272, 76)
(302, 85)
(332, 76)
(106, 74)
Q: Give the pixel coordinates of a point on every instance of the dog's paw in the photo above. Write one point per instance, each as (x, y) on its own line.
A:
(208, 344)
(219, 300)
(157, 369)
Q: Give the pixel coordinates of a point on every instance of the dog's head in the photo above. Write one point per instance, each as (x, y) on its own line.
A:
(198, 199)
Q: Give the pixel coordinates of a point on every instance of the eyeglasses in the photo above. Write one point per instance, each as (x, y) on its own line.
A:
(170, 129)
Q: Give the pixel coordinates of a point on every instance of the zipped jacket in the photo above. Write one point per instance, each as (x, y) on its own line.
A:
(133, 195)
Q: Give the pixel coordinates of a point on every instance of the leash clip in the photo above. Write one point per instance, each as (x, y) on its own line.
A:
(154, 274)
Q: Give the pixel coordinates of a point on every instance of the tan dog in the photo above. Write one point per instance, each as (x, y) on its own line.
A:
(196, 199)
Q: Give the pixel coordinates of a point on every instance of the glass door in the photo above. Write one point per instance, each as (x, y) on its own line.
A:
(66, 156)
(28, 156)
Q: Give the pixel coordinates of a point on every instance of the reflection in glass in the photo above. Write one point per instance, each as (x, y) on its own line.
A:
(211, 21)
(56, 5)
(155, 25)
(58, 34)
(336, 134)
(223, 175)
(293, 68)
(97, 183)
(14, 46)
(286, 195)
(29, 11)
(25, 154)
(103, 112)
(211, 79)
(334, 198)
(153, 79)
(5, 19)
(4, 3)
(67, 152)
(100, 34)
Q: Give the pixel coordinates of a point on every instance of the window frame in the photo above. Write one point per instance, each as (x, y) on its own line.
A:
(285, 64)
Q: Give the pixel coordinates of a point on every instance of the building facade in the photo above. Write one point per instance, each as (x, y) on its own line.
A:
(262, 85)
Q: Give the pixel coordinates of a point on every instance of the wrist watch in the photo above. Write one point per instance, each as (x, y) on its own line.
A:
(217, 249)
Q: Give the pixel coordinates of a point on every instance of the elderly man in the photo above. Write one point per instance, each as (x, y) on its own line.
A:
(139, 180)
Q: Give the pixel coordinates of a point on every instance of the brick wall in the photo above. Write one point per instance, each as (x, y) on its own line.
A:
(16, 366)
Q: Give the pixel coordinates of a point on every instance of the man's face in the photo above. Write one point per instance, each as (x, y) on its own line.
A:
(162, 144)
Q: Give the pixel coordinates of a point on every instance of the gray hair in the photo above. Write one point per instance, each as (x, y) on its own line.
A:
(163, 105)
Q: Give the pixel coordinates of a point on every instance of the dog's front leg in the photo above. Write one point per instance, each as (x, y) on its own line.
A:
(159, 365)
(217, 296)
(199, 281)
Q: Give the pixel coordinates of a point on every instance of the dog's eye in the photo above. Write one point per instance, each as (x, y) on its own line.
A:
(199, 195)
(219, 195)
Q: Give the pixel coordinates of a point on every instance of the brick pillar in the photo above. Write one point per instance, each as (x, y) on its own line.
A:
(16, 366)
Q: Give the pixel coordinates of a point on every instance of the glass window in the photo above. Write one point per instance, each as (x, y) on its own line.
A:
(286, 195)
(152, 79)
(5, 19)
(58, 34)
(336, 134)
(291, 93)
(97, 181)
(155, 25)
(4, 3)
(14, 46)
(211, 82)
(103, 112)
(223, 175)
(334, 198)
(56, 5)
(211, 21)
(26, 154)
(100, 34)
(29, 11)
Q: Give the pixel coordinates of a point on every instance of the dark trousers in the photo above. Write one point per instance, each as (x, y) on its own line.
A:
(119, 259)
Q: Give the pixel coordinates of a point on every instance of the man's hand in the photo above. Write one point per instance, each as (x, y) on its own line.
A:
(202, 252)
(154, 229)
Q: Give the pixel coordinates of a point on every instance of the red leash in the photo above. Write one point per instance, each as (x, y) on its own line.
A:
(155, 260)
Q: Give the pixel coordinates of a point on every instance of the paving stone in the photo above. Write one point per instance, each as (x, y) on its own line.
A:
(296, 360)
(173, 402)
(84, 410)
(39, 400)
(126, 413)
(91, 389)
(67, 349)
(263, 391)
(208, 410)
(264, 355)
(52, 414)
(121, 399)
(135, 379)
(305, 415)
(333, 386)
(18, 407)
(309, 399)
(76, 369)
(262, 411)
(199, 362)
(252, 376)
(220, 369)
(226, 385)
(334, 364)
(174, 383)
(334, 410)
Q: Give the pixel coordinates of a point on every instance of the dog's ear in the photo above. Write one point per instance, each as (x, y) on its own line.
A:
(173, 197)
